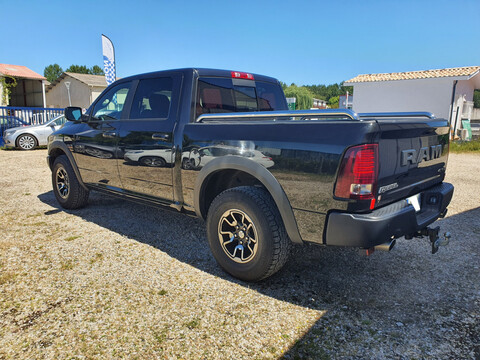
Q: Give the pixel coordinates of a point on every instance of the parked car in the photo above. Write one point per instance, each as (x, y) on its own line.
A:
(29, 137)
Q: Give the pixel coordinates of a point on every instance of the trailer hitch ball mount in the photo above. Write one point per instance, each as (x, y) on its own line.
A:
(432, 234)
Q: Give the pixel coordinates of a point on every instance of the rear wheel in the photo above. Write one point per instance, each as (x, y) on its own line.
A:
(66, 187)
(27, 142)
(246, 233)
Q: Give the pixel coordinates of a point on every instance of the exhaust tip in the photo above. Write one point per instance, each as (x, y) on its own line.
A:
(388, 246)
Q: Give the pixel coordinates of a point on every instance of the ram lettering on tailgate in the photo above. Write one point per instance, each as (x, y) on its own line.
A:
(424, 154)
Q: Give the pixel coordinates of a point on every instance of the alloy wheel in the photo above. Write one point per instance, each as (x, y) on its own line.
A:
(62, 182)
(238, 236)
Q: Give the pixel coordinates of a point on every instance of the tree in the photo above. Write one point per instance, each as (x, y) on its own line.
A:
(476, 98)
(333, 102)
(78, 69)
(302, 94)
(52, 72)
(83, 69)
(96, 70)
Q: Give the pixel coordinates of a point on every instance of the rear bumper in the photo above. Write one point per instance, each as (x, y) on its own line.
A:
(392, 221)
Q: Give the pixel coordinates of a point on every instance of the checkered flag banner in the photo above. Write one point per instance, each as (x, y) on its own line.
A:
(108, 60)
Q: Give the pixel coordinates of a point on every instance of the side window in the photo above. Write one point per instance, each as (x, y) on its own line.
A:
(110, 106)
(152, 99)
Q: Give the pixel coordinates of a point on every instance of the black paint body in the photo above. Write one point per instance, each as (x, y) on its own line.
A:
(296, 160)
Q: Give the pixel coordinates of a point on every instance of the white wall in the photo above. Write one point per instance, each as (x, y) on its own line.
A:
(433, 95)
(80, 93)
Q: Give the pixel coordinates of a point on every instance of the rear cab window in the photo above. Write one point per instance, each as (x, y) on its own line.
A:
(223, 95)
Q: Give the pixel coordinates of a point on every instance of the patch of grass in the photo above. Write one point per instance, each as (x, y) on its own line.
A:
(39, 223)
(162, 292)
(27, 194)
(465, 146)
(160, 336)
(34, 215)
(71, 238)
(7, 277)
(67, 265)
(195, 323)
(97, 257)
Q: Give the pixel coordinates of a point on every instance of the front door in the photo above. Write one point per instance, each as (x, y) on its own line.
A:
(146, 138)
(96, 147)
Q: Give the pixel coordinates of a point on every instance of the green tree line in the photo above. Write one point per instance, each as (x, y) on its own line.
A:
(52, 72)
(306, 93)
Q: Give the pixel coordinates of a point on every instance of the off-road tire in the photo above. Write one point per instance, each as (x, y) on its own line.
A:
(75, 196)
(273, 244)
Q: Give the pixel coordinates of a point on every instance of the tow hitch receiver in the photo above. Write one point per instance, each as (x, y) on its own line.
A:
(435, 240)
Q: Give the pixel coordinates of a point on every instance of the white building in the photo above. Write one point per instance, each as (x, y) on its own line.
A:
(75, 90)
(448, 93)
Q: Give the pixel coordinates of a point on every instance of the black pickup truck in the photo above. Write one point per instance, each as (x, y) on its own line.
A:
(223, 145)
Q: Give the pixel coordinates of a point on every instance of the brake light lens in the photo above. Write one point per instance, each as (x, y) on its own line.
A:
(242, 75)
(358, 174)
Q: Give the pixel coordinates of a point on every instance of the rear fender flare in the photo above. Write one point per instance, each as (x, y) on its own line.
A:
(262, 175)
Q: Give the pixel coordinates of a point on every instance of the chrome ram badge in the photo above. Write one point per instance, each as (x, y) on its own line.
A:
(424, 154)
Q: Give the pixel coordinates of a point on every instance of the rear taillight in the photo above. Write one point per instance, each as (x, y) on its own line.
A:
(357, 177)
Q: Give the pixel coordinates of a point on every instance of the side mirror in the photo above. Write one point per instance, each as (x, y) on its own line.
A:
(73, 113)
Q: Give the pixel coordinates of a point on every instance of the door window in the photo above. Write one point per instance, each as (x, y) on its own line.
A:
(110, 106)
(152, 99)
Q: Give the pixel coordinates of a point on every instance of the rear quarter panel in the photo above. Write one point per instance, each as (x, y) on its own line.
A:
(305, 154)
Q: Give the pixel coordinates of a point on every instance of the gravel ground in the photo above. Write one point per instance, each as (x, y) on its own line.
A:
(121, 280)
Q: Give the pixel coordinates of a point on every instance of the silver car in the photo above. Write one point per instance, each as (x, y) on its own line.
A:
(29, 137)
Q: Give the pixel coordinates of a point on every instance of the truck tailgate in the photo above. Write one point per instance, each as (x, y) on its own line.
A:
(413, 156)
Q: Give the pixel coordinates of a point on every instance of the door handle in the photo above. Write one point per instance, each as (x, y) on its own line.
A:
(110, 134)
(164, 137)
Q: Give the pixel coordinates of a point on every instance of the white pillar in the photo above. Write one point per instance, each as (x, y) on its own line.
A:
(43, 94)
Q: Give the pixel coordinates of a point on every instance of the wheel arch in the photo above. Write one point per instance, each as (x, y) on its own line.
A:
(58, 148)
(209, 184)
(26, 133)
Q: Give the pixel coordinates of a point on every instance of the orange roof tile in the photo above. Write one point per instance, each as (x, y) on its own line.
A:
(19, 71)
(423, 74)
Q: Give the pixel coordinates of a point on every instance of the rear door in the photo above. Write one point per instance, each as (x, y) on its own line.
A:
(413, 156)
(146, 137)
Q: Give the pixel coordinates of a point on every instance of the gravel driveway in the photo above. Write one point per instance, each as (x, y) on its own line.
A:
(121, 280)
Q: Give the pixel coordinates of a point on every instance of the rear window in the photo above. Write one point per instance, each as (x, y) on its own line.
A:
(221, 95)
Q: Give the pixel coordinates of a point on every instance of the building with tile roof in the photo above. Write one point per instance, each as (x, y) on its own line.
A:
(448, 93)
(30, 86)
(82, 90)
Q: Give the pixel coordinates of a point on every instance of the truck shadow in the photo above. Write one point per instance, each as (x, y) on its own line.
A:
(342, 282)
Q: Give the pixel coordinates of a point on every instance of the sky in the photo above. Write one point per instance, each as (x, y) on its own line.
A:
(301, 42)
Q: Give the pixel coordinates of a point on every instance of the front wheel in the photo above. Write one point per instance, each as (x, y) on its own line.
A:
(27, 142)
(246, 233)
(66, 187)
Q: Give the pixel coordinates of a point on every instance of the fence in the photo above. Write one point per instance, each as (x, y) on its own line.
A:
(23, 116)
